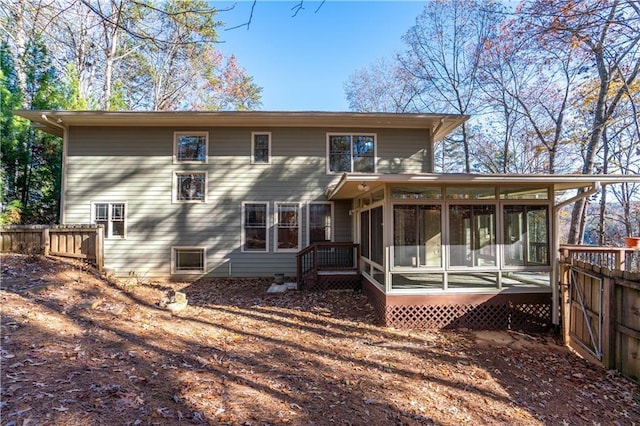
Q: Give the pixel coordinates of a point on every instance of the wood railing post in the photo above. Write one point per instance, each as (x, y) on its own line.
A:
(620, 259)
(99, 247)
(315, 262)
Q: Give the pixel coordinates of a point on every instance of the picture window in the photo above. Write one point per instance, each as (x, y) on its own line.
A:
(190, 147)
(351, 153)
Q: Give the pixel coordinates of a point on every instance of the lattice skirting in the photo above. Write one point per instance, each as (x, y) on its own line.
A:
(530, 312)
(334, 282)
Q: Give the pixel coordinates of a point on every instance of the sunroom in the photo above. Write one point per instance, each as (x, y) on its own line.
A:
(459, 250)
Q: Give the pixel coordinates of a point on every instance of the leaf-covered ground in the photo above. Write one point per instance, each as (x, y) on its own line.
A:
(79, 350)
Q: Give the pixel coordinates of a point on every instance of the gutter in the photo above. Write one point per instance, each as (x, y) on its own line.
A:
(555, 302)
(63, 180)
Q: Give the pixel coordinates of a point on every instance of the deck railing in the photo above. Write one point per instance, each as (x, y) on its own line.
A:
(327, 256)
(614, 258)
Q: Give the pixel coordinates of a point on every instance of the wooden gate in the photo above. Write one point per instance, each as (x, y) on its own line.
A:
(601, 305)
(586, 310)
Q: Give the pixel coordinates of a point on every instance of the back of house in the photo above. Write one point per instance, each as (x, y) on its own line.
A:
(193, 194)
(316, 195)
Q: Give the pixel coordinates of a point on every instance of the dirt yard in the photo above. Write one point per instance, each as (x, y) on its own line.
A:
(79, 350)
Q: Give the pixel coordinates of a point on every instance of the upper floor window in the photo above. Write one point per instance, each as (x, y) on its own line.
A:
(190, 147)
(190, 187)
(112, 217)
(260, 148)
(351, 153)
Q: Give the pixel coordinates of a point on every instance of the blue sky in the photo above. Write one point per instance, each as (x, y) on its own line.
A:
(302, 62)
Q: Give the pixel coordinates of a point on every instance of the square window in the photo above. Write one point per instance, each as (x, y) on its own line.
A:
(188, 260)
(190, 147)
(260, 148)
(190, 187)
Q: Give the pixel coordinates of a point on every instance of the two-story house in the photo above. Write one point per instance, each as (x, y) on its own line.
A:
(185, 195)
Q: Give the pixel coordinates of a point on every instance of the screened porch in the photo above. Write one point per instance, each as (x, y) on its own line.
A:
(452, 238)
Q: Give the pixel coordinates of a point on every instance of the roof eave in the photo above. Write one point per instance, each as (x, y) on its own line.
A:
(444, 123)
(344, 189)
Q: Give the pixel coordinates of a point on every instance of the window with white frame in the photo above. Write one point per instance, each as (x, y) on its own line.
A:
(353, 153)
(188, 260)
(320, 216)
(255, 237)
(260, 148)
(190, 187)
(287, 226)
(112, 216)
(190, 147)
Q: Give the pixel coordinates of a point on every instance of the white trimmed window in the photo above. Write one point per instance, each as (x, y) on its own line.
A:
(255, 237)
(112, 216)
(351, 153)
(188, 260)
(190, 187)
(287, 226)
(320, 219)
(190, 147)
(261, 148)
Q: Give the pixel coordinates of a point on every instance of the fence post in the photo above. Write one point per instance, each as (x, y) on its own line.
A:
(99, 245)
(46, 244)
(565, 298)
(608, 323)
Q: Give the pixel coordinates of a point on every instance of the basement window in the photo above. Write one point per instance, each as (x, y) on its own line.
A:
(188, 260)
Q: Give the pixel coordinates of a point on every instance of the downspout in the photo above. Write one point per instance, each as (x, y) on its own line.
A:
(555, 301)
(431, 148)
(437, 129)
(63, 180)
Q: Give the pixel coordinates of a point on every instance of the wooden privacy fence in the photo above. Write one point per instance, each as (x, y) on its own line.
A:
(601, 314)
(84, 242)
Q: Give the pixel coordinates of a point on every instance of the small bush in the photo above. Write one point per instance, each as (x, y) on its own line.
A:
(12, 213)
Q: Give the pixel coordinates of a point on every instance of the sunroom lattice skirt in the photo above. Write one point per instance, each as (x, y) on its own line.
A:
(532, 317)
(527, 312)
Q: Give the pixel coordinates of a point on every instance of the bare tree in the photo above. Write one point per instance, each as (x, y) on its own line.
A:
(444, 53)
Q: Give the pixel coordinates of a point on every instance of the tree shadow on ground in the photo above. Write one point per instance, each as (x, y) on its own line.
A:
(86, 351)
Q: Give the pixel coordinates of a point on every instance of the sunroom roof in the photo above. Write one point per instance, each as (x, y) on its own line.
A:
(350, 184)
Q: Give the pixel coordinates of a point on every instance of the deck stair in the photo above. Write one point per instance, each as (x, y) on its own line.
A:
(329, 266)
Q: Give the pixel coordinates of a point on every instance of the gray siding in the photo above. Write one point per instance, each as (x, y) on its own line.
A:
(135, 165)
